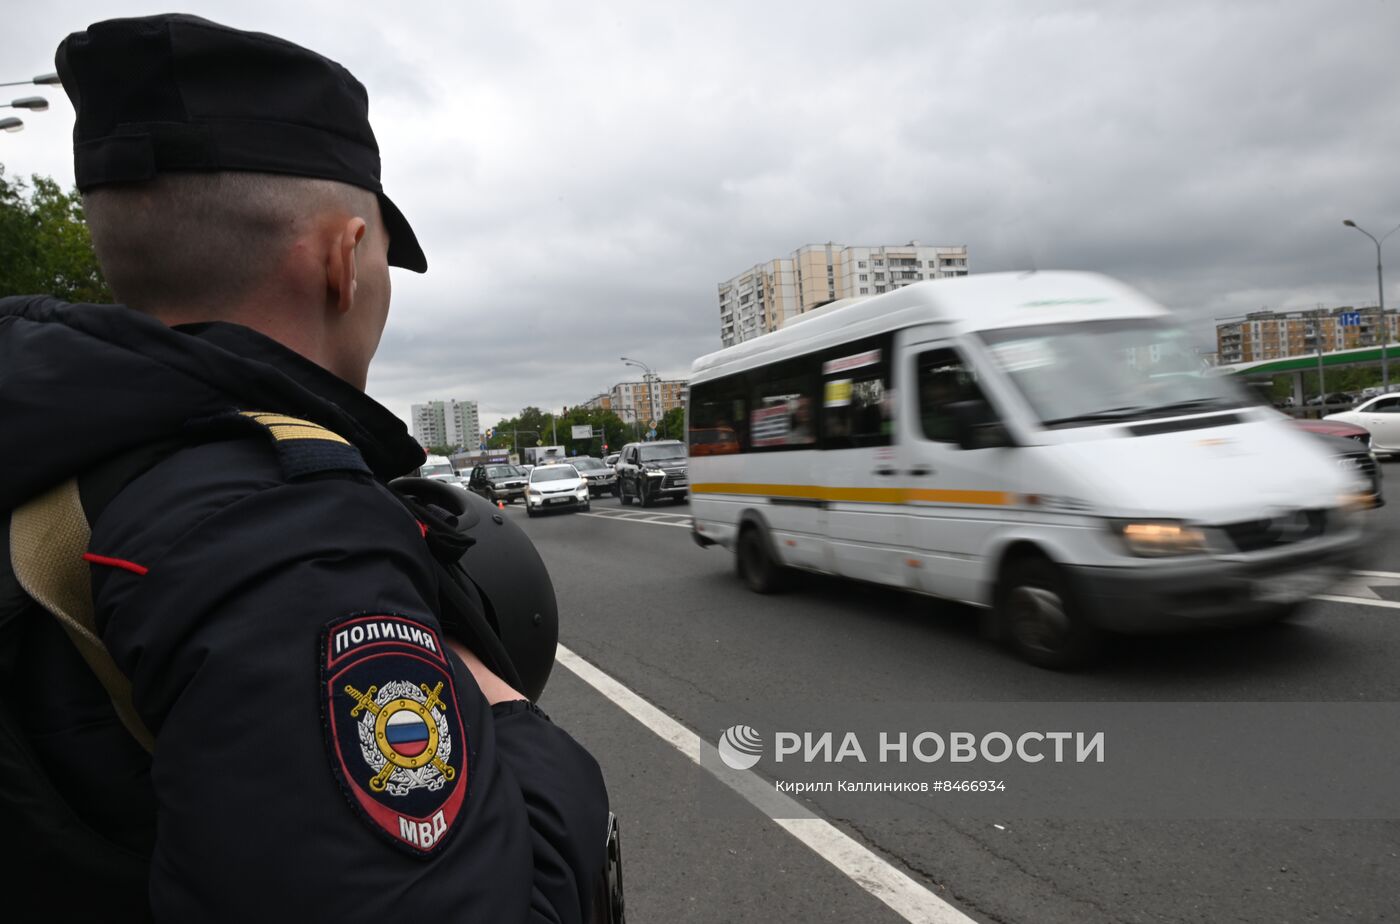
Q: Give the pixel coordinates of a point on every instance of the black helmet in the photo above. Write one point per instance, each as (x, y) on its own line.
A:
(497, 595)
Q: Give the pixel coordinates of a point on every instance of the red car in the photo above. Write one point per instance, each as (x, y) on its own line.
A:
(1352, 444)
(1334, 428)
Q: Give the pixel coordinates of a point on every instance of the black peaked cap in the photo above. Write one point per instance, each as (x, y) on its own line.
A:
(179, 94)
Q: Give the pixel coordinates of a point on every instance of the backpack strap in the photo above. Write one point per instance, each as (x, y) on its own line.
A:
(50, 533)
(48, 537)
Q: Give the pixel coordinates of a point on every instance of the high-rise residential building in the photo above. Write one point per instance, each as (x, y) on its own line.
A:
(447, 423)
(764, 297)
(1276, 334)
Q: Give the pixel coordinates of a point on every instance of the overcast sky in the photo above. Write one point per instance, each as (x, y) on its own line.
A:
(581, 175)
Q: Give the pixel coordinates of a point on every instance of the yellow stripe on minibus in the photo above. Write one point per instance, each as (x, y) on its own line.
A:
(858, 495)
(948, 496)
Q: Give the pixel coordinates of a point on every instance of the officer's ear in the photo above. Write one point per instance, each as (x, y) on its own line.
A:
(340, 264)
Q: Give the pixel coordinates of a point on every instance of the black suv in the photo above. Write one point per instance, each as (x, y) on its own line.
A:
(650, 471)
(497, 482)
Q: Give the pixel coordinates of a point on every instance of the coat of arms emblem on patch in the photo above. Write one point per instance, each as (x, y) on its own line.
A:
(393, 729)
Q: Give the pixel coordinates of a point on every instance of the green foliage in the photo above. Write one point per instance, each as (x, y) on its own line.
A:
(45, 247)
(672, 426)
(441, 450)
(534, 427)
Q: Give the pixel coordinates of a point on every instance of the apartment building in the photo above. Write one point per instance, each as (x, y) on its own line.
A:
(646, 400)
(761, 299)
(447, 423)
(1264, 335)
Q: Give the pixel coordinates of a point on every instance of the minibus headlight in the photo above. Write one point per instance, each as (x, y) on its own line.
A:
(1159, 538)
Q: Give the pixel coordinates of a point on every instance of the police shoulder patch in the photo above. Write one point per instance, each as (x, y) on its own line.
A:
(393, 728)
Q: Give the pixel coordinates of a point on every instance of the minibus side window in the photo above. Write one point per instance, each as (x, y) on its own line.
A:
(857, 401)
(719, 417)
(944, 380)
(783, 411)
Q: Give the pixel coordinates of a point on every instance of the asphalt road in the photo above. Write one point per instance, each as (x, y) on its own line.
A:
(673, 624)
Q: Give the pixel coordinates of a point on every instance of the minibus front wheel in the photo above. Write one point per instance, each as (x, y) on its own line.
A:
(756, 564)
(1040, 617)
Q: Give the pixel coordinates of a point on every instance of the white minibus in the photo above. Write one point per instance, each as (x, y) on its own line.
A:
(1046, 446)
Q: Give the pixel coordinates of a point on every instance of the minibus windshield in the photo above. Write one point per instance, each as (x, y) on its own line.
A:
(1080, 374)
(663, 452)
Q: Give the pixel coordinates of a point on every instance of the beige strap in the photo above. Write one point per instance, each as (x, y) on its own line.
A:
(48, 537)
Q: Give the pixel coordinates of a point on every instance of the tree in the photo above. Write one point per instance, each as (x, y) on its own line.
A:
(672, 425)
(45, 245)
(534, 426)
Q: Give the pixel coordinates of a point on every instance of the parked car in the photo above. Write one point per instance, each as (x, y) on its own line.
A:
(600, 477)
(1336, 397)
(498, 482)
(648, 472)
(1379, 417)
(555, 486)
(1351, 444)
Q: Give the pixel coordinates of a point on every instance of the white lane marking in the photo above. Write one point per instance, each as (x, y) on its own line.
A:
(1359, 587)
(902, 894)
(1336, 598)
(604, 516)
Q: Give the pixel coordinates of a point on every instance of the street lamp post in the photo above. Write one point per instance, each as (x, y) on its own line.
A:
(649, 377)
(1380, 295)
(32, 103)
(43, 80)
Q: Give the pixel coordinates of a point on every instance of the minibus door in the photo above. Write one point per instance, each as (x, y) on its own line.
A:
(857, 465)
(955, 470)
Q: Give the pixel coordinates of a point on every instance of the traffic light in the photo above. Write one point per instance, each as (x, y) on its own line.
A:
(605, 447)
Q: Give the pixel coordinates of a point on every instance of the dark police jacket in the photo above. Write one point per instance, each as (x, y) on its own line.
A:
(320, 755)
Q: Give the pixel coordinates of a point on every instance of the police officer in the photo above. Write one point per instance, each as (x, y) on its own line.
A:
(303, 740)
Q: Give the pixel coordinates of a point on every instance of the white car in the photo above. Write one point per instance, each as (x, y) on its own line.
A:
(557, 485)
(1381, 418)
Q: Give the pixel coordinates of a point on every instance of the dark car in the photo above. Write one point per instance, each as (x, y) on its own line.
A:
(1351, 444)
(497, 482)
(600, 477)
(648, 472)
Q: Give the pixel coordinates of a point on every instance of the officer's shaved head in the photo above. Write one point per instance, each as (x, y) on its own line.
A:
(206, 242)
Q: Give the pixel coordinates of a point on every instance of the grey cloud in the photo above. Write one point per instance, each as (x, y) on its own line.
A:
(583, 175)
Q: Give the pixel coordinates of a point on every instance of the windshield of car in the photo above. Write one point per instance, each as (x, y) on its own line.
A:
(587, 464)
(663, 452)
(552, 473)
(438, 468)
(502, 471)
(1090, 372)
